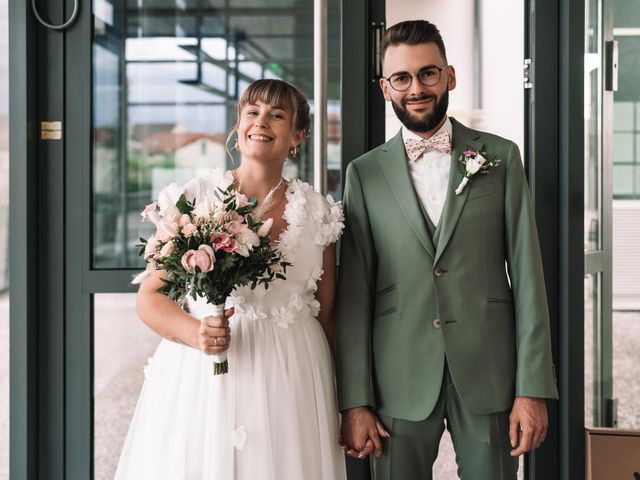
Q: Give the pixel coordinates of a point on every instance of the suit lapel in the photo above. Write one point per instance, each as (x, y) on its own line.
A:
(393, 162)
(463, 139)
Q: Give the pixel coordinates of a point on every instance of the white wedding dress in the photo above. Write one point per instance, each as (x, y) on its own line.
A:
(274, 415)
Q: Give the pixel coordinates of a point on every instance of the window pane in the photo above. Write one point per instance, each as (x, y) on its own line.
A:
(623, 179)
(166, 81)
(122, 345)
(623, 147)
(623, 116)
(4, 239)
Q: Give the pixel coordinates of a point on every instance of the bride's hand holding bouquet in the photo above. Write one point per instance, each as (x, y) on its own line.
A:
(206, 248)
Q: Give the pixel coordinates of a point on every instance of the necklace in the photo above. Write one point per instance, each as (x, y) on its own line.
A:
(264, 206)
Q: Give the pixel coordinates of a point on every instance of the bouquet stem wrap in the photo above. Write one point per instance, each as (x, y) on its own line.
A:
(201, 310)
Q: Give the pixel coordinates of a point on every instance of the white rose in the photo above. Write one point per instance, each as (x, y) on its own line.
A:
(474, 164)
(249, 238)
(203, 209)
(169, 196)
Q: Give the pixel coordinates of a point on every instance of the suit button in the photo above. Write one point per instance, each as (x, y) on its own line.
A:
(437, 323)
(439, 272)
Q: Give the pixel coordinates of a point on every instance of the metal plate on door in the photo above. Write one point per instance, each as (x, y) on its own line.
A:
(51, 130)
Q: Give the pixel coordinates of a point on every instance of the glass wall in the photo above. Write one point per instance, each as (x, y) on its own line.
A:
(4, 239)
(626, 215)
(167, 76)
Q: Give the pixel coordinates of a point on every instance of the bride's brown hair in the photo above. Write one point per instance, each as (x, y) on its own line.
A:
(277, 93)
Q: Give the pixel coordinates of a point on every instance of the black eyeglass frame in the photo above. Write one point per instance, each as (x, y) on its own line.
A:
(416, 75)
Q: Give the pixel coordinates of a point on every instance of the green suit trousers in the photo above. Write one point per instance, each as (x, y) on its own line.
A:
(481, 442)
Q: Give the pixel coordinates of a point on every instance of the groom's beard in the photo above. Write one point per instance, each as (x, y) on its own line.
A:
(424, 124)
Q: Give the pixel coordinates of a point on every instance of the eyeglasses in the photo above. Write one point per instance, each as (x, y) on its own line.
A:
(428, 76)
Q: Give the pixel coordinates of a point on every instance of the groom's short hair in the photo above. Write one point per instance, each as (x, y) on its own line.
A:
(412, 32)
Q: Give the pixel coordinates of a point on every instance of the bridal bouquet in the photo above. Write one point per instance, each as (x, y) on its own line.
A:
(209, 247)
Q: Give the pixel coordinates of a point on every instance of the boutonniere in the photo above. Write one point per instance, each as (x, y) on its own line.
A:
(472, 162)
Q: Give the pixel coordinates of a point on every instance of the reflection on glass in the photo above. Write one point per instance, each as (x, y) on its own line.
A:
(4, 239)
(593, 125)
(592, 360)
(166, 79)
(122, 346)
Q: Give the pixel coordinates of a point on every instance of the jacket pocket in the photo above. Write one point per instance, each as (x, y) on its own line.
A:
(386, 301)
(481, 190)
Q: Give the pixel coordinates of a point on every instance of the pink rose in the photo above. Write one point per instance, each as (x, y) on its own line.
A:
(151, 248)
(171, 215)
(241, 200)
(166, 231)
(203, 258)
(235, 227)
(167, 249)
(224, 242)
(189, 229)
(184, 220)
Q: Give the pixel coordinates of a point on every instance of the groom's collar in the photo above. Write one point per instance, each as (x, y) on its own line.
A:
(445, 127)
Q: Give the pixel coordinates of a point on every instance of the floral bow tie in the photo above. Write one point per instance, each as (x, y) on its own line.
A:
(415, 148)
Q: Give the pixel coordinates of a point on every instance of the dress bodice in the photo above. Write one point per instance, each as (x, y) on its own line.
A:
(313, 223)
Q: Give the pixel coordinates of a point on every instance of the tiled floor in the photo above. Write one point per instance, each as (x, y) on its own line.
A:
(124, 343)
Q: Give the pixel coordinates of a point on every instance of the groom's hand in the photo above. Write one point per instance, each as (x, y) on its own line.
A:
(361, 431)
(528, 424)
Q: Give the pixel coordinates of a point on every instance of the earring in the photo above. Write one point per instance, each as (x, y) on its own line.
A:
(236, 146)
(293, 152)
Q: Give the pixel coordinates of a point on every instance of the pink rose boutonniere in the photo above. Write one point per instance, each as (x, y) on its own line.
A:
(472, 162)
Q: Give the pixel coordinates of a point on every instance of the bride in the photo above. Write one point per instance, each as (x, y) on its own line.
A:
(274, 415)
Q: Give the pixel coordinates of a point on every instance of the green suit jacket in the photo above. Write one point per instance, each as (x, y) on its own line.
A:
(404, 303)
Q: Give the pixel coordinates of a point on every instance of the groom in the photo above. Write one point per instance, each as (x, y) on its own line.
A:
(431, 326)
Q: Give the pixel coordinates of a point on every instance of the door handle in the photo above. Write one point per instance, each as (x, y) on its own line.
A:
(376, 33)
(611, 66)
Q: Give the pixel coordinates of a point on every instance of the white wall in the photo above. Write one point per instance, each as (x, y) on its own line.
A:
(503, 47)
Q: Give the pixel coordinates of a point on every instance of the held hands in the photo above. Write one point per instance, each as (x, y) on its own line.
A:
(528, 424)
(214, 334)
(361, 431)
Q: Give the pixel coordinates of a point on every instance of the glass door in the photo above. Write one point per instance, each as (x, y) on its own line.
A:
(599, 83)
(626, 215)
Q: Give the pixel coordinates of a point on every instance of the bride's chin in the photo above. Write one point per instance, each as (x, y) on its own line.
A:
(265, 158)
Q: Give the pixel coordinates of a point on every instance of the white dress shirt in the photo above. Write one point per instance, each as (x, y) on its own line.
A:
(430, 174)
